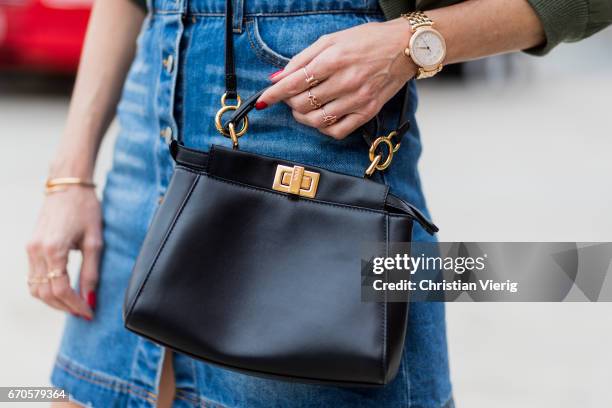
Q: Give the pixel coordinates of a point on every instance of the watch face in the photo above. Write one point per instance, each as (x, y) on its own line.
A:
(427, 48)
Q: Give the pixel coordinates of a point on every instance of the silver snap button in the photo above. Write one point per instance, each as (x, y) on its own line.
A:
(168, 63)
(166, 133)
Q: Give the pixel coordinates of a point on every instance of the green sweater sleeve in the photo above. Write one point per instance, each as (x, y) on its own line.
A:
(140, 3)
(570, 20)
(563, 20)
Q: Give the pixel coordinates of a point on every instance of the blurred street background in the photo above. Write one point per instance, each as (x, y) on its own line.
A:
(515, 149)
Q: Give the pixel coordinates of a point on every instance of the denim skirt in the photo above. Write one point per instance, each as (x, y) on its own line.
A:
(173, 90)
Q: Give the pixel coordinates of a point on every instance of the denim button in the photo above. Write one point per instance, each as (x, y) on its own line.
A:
(168, 63)
(166, 133)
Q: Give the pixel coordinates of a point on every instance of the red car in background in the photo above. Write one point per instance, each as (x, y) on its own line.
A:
(42, 35)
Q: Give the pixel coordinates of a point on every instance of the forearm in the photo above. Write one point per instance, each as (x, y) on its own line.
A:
(105, 60)
(480, 28)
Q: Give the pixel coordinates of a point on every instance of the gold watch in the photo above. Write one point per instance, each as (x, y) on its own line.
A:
(427, 47)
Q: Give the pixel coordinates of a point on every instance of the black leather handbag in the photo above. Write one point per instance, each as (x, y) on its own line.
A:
(252, 263)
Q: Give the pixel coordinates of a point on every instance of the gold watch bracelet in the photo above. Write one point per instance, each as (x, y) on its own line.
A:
(418, 19)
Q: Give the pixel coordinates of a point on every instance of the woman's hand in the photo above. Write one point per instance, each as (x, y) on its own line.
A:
(72, 219)
(358, 70)
(69, 219)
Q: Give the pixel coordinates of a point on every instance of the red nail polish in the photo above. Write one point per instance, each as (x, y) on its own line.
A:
(87, 318)
(272, 75)
(261, 105)
(91, 299)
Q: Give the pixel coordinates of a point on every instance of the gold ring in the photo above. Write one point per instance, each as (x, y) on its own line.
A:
(310, 79)
(37, 279)
(224, 97)
(328, 120)
(219, 125)
(314, 102)
(372, 153)
(57, 273)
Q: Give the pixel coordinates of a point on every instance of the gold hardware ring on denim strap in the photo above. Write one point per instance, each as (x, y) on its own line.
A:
(310, 79)
(314, 102)
(328, 120)
(225, 108)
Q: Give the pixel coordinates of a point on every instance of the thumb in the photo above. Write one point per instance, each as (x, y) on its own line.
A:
(91, 248)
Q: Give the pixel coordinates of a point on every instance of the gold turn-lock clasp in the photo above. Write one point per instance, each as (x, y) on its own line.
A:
(296, 180)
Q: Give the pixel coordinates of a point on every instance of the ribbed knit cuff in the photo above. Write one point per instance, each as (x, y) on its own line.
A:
(141, 3)
(394, 8)
(563, 20)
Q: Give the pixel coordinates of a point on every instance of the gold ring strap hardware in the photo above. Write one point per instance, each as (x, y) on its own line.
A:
(376, 159)
(224, 97)
(233, 134)
(390, 137)
(372, 167)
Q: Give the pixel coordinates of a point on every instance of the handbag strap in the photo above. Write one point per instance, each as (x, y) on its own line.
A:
(231, 82)
(382, 148)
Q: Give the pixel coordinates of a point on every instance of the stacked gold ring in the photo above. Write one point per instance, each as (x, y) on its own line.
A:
(56, 273)
(314, 102)
(37, 279)
(310, 79)
(328, 120)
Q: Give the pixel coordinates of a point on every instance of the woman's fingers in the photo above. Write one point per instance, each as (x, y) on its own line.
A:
(310, 99)
(345, 82)
(45, 293)
(38, 282)
(32, 249)
(58, 289)
(292, 85)
(49, 280)
(363, 108)
(345, 126)
(304, 57)
(318, 70)
(67, 221)
(91, 248)
(63, 292)
(351, 111)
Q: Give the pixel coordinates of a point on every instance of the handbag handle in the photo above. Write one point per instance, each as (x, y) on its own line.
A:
(378, 159)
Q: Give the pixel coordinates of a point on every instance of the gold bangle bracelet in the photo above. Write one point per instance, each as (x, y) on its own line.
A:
(54, 185)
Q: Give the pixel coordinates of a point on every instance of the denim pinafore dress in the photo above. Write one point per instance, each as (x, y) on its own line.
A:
(173, 90)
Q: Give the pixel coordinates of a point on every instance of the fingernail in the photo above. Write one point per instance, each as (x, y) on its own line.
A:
(261, 105)
(91, 299)
(87, 318)
(272, 75)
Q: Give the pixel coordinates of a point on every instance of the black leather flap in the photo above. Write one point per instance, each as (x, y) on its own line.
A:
(261, 171)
